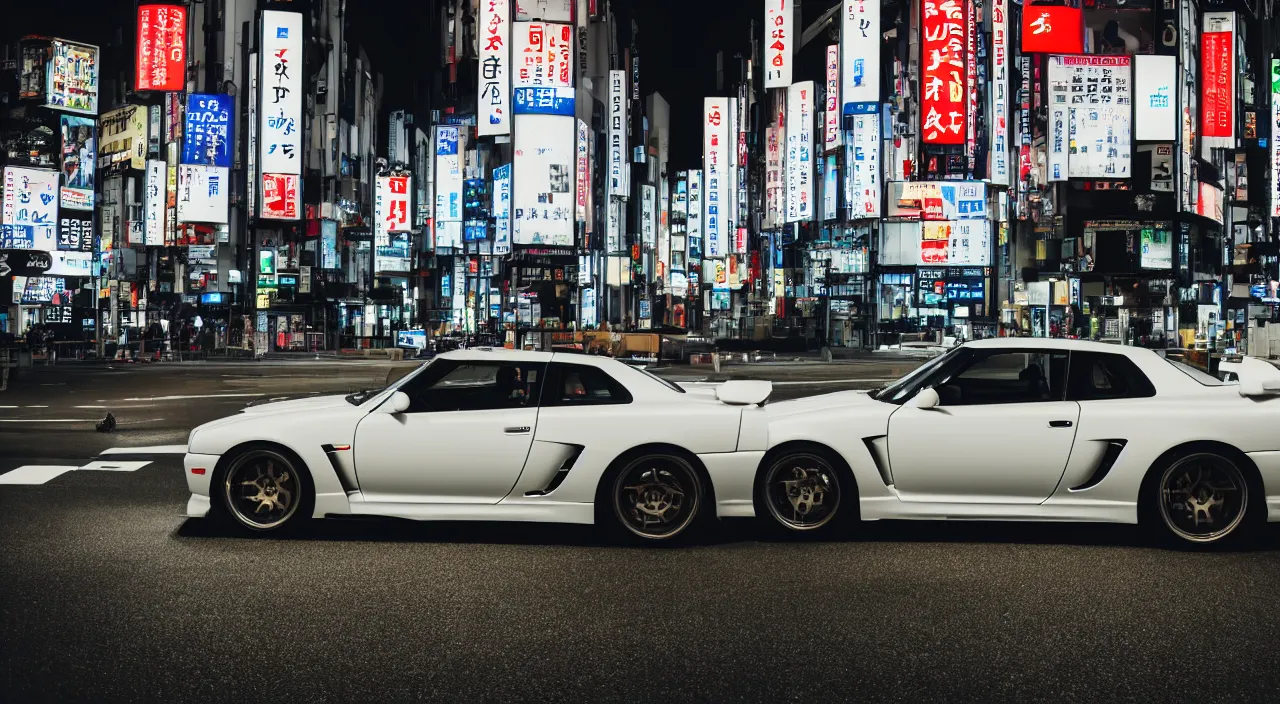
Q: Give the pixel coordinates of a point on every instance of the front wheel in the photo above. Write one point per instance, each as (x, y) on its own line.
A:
(802, 492)
(656, 497)
(264, 490)
(1204, 498)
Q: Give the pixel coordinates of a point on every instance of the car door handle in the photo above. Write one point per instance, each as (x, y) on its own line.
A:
(517, 430)
(1059, 424)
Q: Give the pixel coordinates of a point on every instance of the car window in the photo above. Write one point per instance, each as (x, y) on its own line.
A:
(1098, 376)
(906, 387)
(476, 386)
(582, 385)
(1023, 376)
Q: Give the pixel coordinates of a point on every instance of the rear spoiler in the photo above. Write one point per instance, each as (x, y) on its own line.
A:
(1257, 378)
(744, 393)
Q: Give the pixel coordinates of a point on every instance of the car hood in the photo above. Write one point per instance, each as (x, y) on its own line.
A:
(300, 404)
(815, 404)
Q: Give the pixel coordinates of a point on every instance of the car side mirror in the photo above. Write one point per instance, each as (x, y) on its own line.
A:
(399, 402)
(927, 399)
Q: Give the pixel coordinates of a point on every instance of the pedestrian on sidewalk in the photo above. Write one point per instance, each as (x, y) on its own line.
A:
(50, 349)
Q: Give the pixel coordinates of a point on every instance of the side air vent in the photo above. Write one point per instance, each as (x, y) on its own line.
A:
(879, 451)
(561, 473)
(331, 452)
(1109, 457)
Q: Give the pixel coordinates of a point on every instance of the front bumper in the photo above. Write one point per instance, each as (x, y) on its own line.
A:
(199, 483)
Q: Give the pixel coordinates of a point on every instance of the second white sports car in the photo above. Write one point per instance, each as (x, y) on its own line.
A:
(1035, 430)
(488, 435)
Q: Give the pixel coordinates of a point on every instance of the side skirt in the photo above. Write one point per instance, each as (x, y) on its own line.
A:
(1069, 511)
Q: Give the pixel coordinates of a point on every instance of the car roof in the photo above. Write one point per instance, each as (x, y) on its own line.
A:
(1052, 343)
(505, 355)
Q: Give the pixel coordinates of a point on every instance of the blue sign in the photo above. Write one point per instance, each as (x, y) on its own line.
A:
(412, 339)
(446, 141)
(213, 299)
(543, 101)
(207, 135)
(23, 236)
(328, 244)
(475, 230)
(861, 108)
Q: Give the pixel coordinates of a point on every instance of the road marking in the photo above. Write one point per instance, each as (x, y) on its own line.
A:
(53, 420)
(37, 406)
(191, 398)
(102, 466)
(153, 450)
(85, 407)
(35, 474)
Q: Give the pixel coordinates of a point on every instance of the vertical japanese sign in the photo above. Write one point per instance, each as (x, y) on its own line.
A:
(1218, 81)
(619, 171)
(203, 193)
(542, 55)
(391, 205)
(799, 186)
(502, 209)
(834, 108)
(944, 93)
(206, 134)
(280, 111)
(694, 224)
(860, 52)
(779, 16)
(328, 244)
(999, 119)
(162, 48)
(773, 177)
(448, 210)
(495, 68)
(583, 171)
(30, 209)
(79, 161)
(75, 232)
(542, 197)
(648, 204)
(862, 163)
(1274, 144)
(715, 168)
(154, 201)
(71, 78)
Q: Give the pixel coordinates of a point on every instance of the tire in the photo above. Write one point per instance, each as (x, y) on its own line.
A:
(1203, 497)
(805, 490)
(263, 490)
(655, 496)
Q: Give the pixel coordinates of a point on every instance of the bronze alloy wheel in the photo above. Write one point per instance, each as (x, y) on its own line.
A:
(262, 489)
(656, 496)
(1203, 497)
(801, 491)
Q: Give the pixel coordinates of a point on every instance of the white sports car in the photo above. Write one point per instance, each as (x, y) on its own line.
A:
(1035, 430)
(489, 435)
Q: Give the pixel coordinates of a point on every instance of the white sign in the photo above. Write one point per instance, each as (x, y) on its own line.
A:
(648, 202)
(30, 207)
(582, 179)
(542, 55)
(619, 172)
(860, 52)
(862, 159)
(831, 115)
(391, 204)
(154, 203)
(204, 193)
(613, 227)
(999, 119)
(502, 209)
(495, 68)
(280, 97)
(779, 44)
(543, 195)
(1275, 138)
(694, 222)
(1091, 137)
(1155, 114)
(548, 10)
(799, 185)
(448, 176)
(715, 167)
(70, 264)
(955, 243)
(773, 177)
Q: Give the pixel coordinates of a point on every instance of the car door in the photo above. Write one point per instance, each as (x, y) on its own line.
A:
(1002, 432)
(464, 439)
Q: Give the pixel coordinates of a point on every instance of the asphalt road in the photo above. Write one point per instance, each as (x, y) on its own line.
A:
(107, 594)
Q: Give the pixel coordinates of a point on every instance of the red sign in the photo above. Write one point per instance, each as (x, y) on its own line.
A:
(280, 196)
(1217, 82)
(162, 48)
(942, 76)
(1052, 30)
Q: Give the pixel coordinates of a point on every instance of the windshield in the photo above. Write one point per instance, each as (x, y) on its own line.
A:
(1197, 374)
(363, 395)
(905, 388)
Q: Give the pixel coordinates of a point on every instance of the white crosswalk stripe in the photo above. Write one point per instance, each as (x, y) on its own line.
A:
(37, 474)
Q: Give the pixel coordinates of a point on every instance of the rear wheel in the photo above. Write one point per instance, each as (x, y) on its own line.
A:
(265, 491)
(656, 496)
(1204, 498)
(802, 491)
